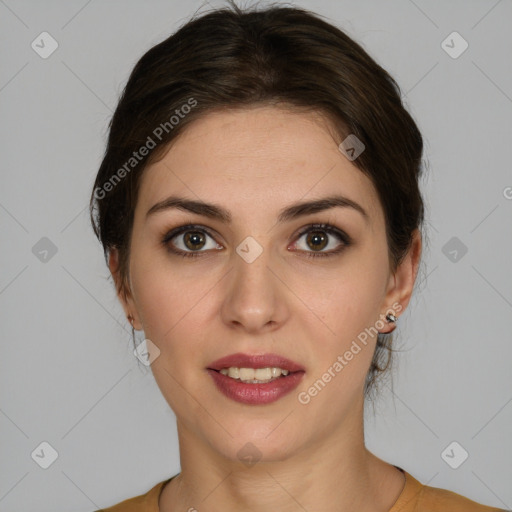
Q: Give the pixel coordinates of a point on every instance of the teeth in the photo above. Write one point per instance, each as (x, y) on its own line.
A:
(252, 375)
(247, 373)
(263, 374)
(234, 373)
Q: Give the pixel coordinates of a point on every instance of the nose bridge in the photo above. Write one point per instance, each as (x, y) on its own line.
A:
(254, 300)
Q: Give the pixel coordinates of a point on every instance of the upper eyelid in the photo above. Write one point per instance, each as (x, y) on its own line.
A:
(171, 233)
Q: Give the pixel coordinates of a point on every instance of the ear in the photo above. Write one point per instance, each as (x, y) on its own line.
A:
(401, 283)
(122, 289)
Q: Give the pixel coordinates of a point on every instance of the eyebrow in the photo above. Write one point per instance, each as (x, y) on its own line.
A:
(291, 212)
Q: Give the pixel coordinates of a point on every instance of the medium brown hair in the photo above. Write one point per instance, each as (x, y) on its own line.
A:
(283, 56)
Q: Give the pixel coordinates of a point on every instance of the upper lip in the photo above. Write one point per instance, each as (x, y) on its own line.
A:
(240, 360)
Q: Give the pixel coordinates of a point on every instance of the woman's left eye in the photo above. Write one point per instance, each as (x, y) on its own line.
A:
(320, 240)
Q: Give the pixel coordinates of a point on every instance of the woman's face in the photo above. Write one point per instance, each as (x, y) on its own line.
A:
(258, 282)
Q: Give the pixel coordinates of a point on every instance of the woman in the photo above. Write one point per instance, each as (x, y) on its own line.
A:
(260, 212)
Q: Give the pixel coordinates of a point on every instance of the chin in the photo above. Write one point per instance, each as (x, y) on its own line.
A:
(258, 442)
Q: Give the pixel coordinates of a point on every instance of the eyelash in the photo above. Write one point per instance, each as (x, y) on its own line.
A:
(328, 228)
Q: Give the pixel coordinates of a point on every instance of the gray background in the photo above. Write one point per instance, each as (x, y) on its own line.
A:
(68, 375)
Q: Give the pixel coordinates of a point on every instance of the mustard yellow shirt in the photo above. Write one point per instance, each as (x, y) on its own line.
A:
(415, 497)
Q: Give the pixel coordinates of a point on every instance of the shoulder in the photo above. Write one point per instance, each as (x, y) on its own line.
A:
(147, 502)
(417, 497)
(434, 498)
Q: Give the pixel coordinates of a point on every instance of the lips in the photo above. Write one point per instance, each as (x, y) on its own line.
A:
(256, 394)
(241, 360)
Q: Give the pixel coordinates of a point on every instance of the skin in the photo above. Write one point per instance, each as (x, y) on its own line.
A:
(254, 162)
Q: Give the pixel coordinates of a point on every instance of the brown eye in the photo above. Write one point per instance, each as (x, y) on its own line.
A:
(190, 241)
(194, 240)
(317, 240)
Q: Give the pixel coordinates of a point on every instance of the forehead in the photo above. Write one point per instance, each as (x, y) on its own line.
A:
(262, 156)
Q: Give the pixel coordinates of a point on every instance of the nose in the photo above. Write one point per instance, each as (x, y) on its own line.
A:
(255, 300)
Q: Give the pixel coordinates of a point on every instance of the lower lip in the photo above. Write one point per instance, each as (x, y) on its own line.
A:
(256, 394)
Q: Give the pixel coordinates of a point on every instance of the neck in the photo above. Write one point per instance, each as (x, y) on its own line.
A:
(336, 473)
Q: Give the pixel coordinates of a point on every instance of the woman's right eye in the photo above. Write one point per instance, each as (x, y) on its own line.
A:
(189, 241)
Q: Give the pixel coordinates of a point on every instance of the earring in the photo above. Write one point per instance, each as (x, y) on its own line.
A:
(130, 319)
(391, 318)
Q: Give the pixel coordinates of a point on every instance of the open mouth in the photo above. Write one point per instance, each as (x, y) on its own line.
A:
(255, 379)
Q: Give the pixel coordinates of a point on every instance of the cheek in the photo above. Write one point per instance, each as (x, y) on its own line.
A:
(347, 299)
(166, 295)
(173, 309)
(344, 330)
